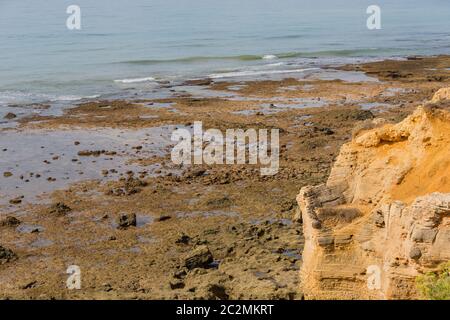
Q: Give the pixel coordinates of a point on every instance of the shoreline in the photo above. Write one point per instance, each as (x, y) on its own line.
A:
(253, 237)
(146, 87)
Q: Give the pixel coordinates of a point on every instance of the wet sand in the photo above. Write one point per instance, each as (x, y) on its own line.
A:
(98, 160)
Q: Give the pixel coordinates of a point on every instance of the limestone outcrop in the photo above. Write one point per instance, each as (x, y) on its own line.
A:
(383, 216)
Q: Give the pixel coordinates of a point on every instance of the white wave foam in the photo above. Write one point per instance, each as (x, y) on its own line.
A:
(20, 97)
(270, 57)
(72, 98)
(256, 73)
(276, 64)
(135, 80)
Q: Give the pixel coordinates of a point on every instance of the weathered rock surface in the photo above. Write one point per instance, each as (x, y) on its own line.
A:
(59, 209)
(383, 217)
(441, 95)
(126, 220)
(6, 255)
(9, 221)
(200, 257)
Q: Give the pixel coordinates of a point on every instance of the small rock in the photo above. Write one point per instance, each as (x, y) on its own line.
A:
(163, 218)
(176, 284)
(59, 209)
(17, 200)
(316, 224)
(10, 116)
(180, 274)
(183, 239)
(200, 257)
(6, 255)
(29, 285)
(10, 222)
(126, 220)
(328, 131)
(107, 287)
(415, 253)
(216, 291)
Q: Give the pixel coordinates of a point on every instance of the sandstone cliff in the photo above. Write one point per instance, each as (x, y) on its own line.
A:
(383, 217)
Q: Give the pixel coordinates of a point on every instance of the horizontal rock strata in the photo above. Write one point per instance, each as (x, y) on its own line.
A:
(383, 217)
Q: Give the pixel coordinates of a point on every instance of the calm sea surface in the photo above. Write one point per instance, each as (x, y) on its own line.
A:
(133, 45)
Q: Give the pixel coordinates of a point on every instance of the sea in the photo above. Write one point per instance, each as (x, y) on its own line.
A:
(132, 48)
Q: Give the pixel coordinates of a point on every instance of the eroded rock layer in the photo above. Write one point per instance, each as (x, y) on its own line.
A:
(383, 217)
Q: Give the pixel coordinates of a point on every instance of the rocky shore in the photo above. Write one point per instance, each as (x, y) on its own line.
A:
(95, 187)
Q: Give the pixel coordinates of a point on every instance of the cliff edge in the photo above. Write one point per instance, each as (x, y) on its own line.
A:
(383, 217)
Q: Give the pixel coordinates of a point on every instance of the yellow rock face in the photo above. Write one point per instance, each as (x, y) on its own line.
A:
(385, 207)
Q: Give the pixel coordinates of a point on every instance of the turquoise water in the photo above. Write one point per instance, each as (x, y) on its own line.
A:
(124, 45)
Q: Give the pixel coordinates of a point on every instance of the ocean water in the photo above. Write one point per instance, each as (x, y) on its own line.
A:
(129, 47)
